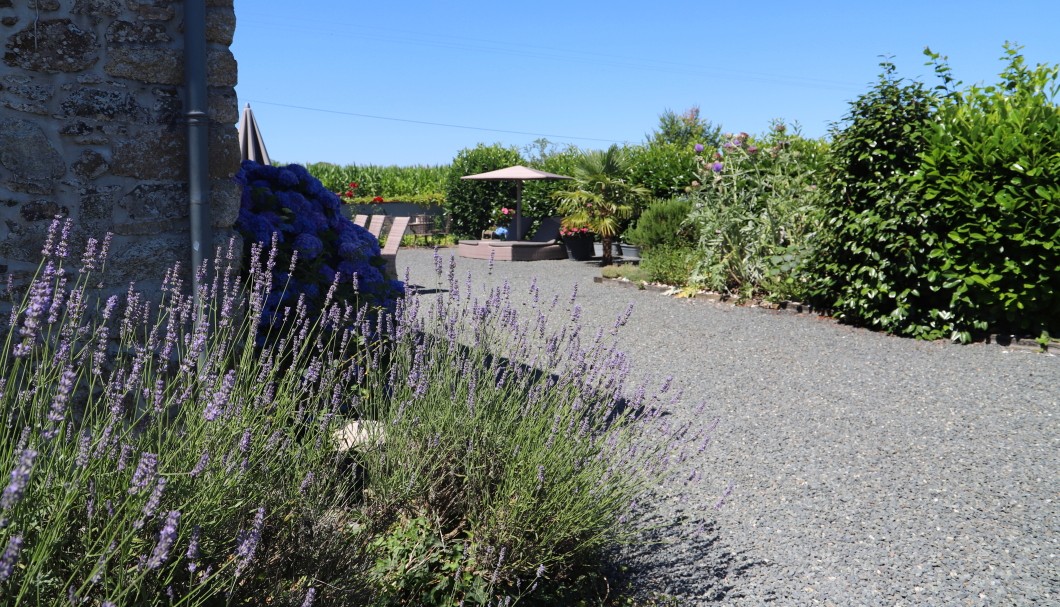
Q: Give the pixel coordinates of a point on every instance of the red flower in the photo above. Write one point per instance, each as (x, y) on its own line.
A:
(377, 199)
(353, 184)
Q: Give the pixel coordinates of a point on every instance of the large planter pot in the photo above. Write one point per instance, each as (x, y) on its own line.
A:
(579, 248)
(598, 249)
(630, 252)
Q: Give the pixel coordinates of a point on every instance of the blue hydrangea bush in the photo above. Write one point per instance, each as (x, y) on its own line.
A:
(317, 246)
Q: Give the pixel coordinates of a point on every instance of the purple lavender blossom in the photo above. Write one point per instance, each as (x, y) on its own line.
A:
(717, 167)
(310, 596)
(156, 497)
(84, 449)
(698, 148)
(10, 557)
(247, 542)
(166, 538)
(19, 479)
(123, 456)
(59, 403)
(145, 472)
(306, 482)
(193, 550)
(217, 404)
(49, 243)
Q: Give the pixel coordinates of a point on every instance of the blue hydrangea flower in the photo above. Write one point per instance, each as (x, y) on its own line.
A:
(286, 178)
(308, 246)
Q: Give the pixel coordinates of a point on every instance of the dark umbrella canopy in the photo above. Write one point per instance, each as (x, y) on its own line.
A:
(251, 145)
(518, 174)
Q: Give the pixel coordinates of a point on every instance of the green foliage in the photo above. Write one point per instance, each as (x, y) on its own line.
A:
(471, 202)
(670, 265)
(755, 204)
(665, 169)
(603, 198)
(943, 207)
(876, 237)
(685, 130)
(990, 180)
(393, 183)
(433, 198)
(663, 223)
(416, 562)
(538, 201)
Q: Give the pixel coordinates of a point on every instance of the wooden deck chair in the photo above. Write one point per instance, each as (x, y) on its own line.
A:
(361, 220)
(393, 241)
(375, 226)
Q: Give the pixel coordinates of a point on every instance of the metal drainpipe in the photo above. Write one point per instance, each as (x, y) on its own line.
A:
(198, 136)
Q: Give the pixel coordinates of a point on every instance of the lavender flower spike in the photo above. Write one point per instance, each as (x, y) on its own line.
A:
(166, 538)
(247, 542)
(10, 557)
(19, 479)
(145, 472)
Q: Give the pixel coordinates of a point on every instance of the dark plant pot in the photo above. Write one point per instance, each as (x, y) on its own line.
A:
(630, 252)
(598, 249)
(579, 248)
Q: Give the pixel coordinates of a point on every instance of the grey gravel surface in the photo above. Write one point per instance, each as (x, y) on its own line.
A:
(866, 469)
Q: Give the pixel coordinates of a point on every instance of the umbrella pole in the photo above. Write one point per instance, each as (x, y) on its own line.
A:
(518, 210)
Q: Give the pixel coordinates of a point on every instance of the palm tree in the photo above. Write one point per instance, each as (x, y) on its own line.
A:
(602, 196)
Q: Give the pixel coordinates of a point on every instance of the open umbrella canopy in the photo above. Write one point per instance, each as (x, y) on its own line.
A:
(518, 174)
(515, 173)
(251, 145)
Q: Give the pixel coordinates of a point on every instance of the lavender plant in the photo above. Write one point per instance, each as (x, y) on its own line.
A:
(152, 453)
(200, 467)
(510, 456)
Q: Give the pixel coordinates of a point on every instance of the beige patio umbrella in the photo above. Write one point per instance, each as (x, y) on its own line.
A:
(251, 145)
(518, 174)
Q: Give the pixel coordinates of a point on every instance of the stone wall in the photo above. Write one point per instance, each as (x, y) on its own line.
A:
(92, 128)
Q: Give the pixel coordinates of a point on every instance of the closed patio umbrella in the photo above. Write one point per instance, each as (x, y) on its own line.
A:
(518, 174)
(251, 145)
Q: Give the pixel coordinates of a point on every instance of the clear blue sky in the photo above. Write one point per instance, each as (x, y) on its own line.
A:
(356, 82)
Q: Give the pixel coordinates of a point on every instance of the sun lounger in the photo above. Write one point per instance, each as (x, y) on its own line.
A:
(544, 244)
(393, 242)
(375, 226)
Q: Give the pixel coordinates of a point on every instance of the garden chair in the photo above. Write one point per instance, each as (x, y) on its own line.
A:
(393, 241)
(361, 220)
(375, 226)
(421, 227)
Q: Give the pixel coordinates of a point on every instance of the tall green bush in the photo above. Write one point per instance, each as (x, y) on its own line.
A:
(875, 240)
(665, 169)
(990, 174)
(537, 195)
(685, 130)
(942, 207)
(471, 202)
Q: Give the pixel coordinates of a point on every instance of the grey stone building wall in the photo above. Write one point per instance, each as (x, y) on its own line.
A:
(92, 128)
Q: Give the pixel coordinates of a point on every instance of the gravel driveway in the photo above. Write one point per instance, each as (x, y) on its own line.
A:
(866, 469)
